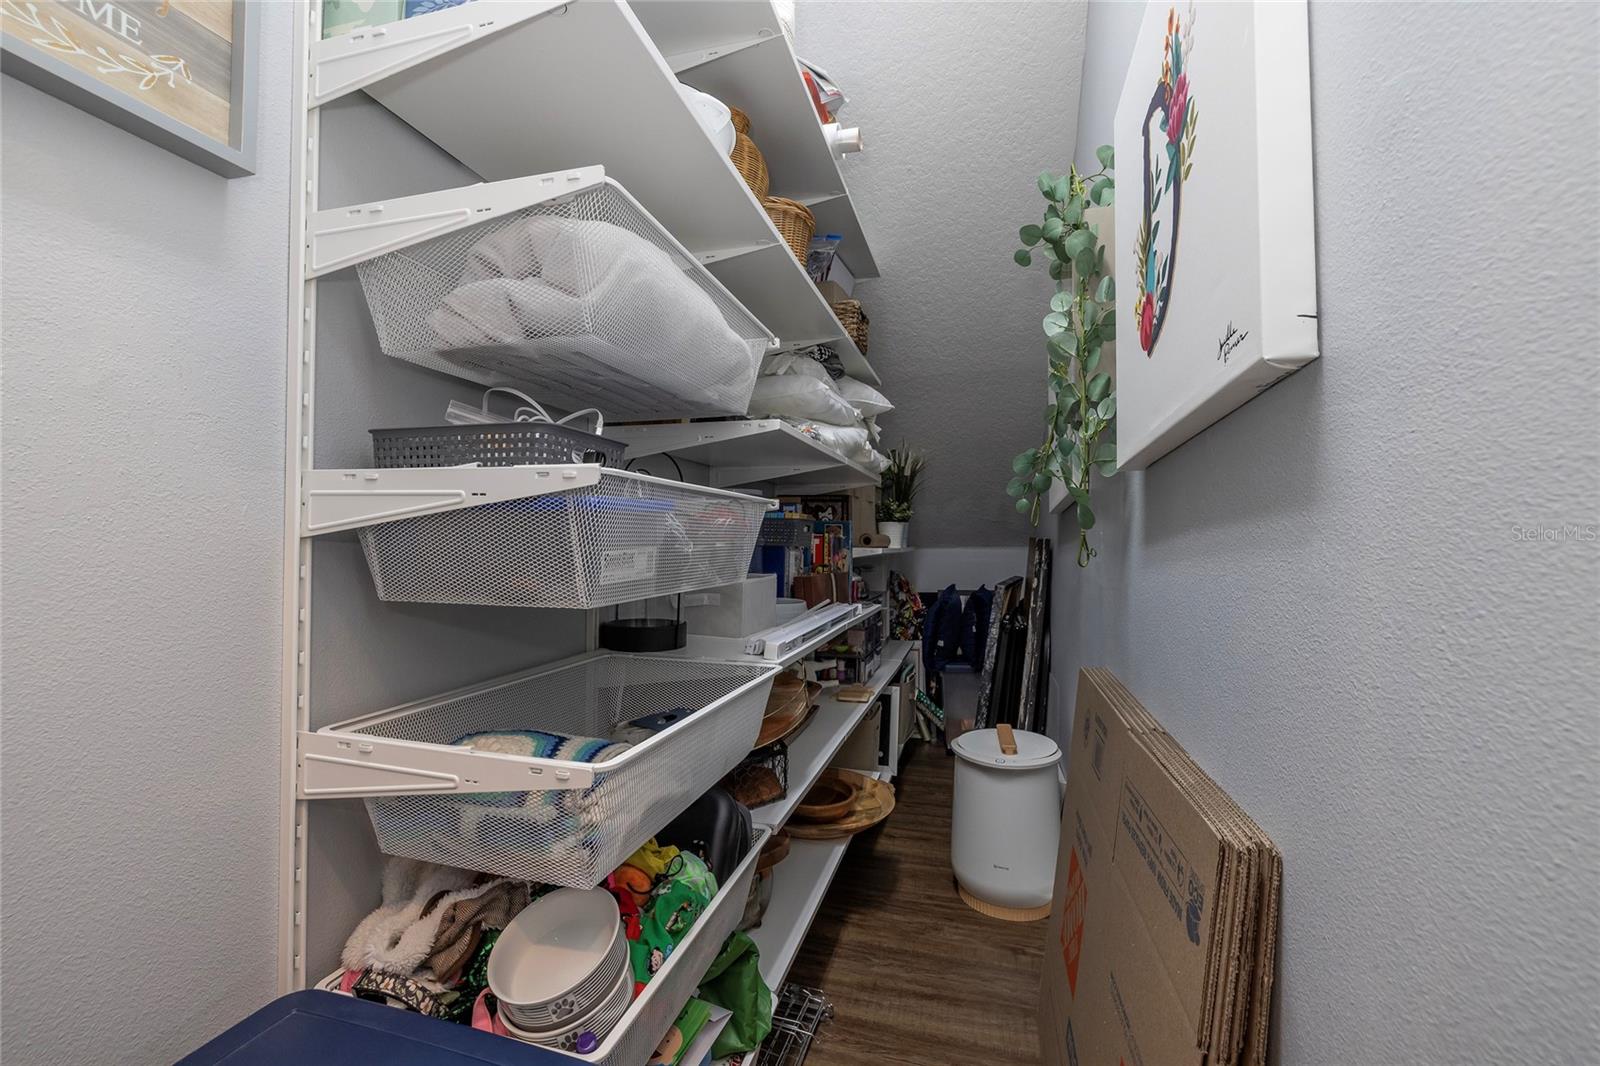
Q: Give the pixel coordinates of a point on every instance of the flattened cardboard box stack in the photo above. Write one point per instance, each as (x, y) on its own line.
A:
(1163, 933)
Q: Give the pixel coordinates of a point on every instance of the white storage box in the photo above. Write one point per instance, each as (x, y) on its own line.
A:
(629, 537)
(735, 610)
(542, 819)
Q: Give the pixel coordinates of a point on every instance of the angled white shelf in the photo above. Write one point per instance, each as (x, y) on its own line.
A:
(812, 750)
(512, 89)
(762, 451)
(862, 554)
(738, 53)
(799, 884)
(731, 649)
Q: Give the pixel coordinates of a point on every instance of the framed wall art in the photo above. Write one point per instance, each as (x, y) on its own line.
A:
(1215, 235)
(179, 73)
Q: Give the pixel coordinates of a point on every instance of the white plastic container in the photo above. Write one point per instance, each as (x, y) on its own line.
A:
(1007, 818)
(735, 610)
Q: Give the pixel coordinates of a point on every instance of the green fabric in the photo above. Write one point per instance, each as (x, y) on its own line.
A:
(474, 979)
(693, 871)
(734, 983)
(667, 919)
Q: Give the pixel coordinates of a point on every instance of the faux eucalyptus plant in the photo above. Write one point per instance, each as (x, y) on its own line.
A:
(1079, 425)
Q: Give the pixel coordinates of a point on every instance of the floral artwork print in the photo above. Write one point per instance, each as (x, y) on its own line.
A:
(1169, 136)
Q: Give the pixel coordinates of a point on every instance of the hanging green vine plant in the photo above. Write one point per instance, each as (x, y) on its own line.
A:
(1080, 422)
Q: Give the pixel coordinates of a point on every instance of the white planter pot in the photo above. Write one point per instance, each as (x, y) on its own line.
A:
(895, 531)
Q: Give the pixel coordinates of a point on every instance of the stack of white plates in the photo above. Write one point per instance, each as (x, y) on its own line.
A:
(560, 970)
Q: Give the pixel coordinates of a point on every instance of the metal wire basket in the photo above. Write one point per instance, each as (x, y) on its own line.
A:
(630, 537)
(763, 776)
(576, 836)
(585, 296)
(796, 1018)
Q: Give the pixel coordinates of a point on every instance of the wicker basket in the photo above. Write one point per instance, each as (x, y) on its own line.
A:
(795, 223)
(750, 164)
(741, 121)
(854, 321)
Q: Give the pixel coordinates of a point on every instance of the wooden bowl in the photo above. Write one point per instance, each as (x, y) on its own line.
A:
(829, 799)
(773, 852)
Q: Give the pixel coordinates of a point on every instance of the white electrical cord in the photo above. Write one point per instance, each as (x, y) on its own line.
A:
(533, 411)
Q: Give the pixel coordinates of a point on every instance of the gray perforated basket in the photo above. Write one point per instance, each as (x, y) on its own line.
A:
(495, 444)
(630, 537)
(572, 837)
(586, 297)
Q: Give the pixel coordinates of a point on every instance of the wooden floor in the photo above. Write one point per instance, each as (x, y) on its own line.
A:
(916, 977)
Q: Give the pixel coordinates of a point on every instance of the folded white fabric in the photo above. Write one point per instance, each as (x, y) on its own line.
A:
(846, 440)
(564, 285)
(801, 397)
(867, 400)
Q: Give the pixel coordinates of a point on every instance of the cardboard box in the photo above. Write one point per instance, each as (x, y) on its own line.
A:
(864, 515)
(832, 291)
(1162, 937)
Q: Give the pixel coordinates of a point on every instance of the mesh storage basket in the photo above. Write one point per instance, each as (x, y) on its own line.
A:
(572, 837)
(630, 537)
(497, 444)
(634, 1038)
(585, 297)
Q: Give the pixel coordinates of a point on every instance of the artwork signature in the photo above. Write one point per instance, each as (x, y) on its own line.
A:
(1230, 340)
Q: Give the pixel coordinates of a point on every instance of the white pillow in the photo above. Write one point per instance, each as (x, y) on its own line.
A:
(800, 396)
(867, 400)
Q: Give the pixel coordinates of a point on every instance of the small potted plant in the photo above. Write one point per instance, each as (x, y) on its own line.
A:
(899, 490)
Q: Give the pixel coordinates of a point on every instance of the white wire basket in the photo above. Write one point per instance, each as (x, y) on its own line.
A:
(572, 836)
(585, 296)
(630, 537)
(634, 1038)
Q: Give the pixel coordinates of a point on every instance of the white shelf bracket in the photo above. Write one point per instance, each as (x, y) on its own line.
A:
(341, 65)
(336, 500)
(343, 236)
(344, 765)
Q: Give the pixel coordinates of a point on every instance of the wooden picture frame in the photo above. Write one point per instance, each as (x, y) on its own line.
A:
(179, 73)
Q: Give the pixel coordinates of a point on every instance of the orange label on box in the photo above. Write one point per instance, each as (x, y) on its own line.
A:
(1072, 922)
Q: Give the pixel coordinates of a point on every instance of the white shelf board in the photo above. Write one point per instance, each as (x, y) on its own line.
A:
(584, 85)
(811, 751)
(799, 884)
(732, 648)
(737, 52)
(756, 451)
(873, 553)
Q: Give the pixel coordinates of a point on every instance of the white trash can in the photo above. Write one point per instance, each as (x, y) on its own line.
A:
(1006, 822)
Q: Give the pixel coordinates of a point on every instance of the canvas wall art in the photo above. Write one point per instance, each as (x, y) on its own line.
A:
(1215, 236)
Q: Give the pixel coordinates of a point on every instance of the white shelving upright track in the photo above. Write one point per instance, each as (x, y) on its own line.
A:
(305, 128)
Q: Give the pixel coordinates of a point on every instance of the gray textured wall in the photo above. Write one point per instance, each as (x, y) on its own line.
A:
(961, 105)
(143, 397)
(1323, 595)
